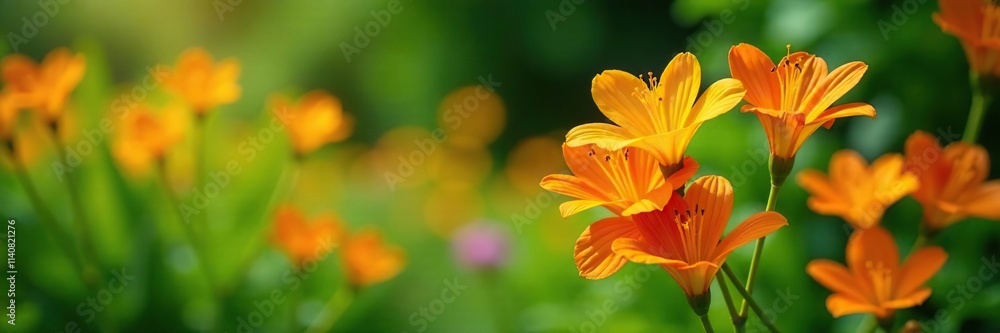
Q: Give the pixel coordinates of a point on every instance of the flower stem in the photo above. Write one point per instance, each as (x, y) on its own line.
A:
(748, 300)
(980, 102)
(733, 314)
(868, 325)
(88, 253)
(772, 201)
(333, 310)
(706, 323)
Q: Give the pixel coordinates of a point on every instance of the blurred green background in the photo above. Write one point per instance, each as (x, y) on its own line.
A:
(544, 54)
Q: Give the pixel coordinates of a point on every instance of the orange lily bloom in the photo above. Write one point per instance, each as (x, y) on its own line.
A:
(952, 181)
(625, 182)
(144, 137)
(316, 119)
(874, 281)
(44, 87)
(302, 241)
(684, 237)
(793, 99)
(660, 117)
(203, 83)
(856, 192)
(369, 261)
(974, 22)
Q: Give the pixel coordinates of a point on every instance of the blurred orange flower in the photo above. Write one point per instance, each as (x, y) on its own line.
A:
(856, 192)
(202, 83)
(316, 119)
(145, 136)
(874, 281)
(660, 117)
(625, 182)
(952, 181)
(44, 87)
(369, 260)
(9, 110)
(793, 99)
(974, 22)
(303, 240)
(684, 237)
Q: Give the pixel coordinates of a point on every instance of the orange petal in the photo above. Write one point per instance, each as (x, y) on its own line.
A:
(712, 195)
(840, 305)
(756, 226)
(753, 68)
(913, 299)
(638, 251)
(919, 267)
(835, 277)
(606, 136)
(572, 186)
(985, 203)
(688, 169)
(825, 198)
(612, 91)
(872, 245)
(569, 208)
(697, 277)
(654, 200)
(593, 252)
(833, 87)
(678, 86)
(719, 98)
(841, 111)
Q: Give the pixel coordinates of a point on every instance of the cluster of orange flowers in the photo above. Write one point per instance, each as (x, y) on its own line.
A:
(637, 169)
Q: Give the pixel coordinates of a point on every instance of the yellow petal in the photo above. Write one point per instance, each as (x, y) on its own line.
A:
(841, 111)
(833, 87)
(613, 93)
(606, 136)
(678, 87)
(719, 98)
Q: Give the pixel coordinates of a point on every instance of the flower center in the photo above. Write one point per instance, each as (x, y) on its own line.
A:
(881, 280)
(689, 227)
(789, 73)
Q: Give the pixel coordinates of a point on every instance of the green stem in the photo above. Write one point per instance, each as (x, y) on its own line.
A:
(293, 306)
(772, 201)
(733, 314)
(706, 323)
(868, 325)
(980, 102)
(88, 251)
(748, 300)
(332, 311)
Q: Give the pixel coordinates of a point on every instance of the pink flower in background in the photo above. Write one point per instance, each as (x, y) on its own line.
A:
(481, 244)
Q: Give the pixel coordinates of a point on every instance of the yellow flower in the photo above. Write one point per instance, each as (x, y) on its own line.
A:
(316, 119)
(369, 260)
(44, 87)
(202, 83)
(303, 241)
(953, 181)
(874, 281)
(856, 192)
(793, 99)
(685, 237)
(660, 117)
(144, 137)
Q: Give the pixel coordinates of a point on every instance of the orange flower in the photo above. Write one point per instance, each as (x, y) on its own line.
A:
(302, 241)
(874, 281)
(145, 137)
(660, 117)
(684, 237)
(203, 83)
(625, 182)
(856, 192)
(952, 181)
(316, 119)
(793, 99)
(975, 24)
(369, 261)
(44, 87)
